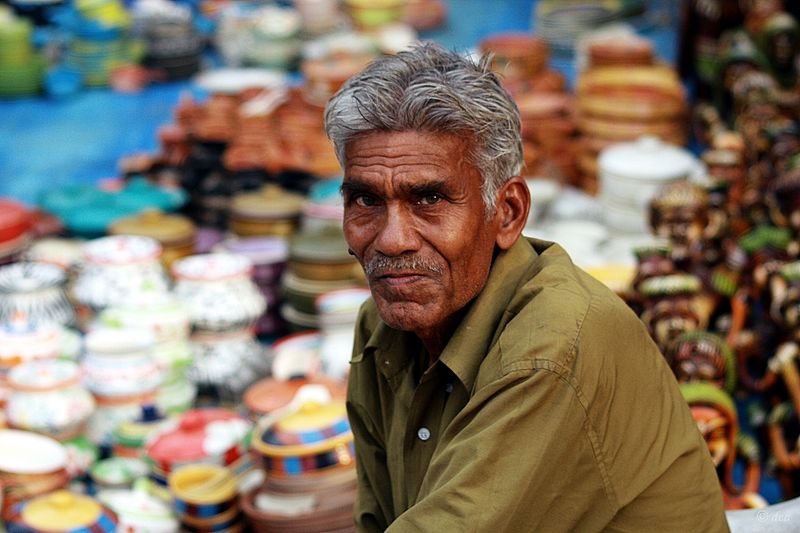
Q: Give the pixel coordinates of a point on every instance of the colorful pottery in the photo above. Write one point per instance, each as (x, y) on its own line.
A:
(119, 362)
(218, 291)
(62, 511)
(175, 233)
(47, 397)
(116, 268)
(270, 394)
(139, 512)
(271, 211)
(37, 291)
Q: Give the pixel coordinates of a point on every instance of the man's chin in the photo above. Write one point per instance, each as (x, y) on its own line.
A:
(405, 316)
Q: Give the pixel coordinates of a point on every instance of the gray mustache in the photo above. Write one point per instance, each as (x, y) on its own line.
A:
(381, 264)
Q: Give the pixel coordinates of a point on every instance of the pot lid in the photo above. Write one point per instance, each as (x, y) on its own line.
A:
(203, 484)
(271, 201)
(66, 511)
(44, 375)
(212, 267)
(62, 252)
(647, 158)
(312, 428)
(13, 213)
(121, 250)
(28, 276)
(118, 470)
(199, 433)
(320, 247)
(260, 250)
(270, 394)
(135, 505)
(156, 224)
(24, 452)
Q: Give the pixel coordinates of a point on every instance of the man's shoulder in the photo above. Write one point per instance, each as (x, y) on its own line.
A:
(561, 313)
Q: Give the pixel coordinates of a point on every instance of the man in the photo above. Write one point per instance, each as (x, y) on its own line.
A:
(494, 386)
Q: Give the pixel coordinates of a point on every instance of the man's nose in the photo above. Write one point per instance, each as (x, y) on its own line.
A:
(397, 234)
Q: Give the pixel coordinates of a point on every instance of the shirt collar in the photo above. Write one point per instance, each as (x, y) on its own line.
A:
(395, 350)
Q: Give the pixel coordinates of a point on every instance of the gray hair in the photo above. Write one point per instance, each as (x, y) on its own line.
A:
(431, 89)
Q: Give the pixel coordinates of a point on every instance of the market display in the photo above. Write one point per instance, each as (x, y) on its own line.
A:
(174, 343)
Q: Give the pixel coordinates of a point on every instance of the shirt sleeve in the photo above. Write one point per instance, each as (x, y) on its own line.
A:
(519, 457)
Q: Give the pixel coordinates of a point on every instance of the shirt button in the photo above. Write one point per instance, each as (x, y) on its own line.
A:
(423, 433)
(448, 388)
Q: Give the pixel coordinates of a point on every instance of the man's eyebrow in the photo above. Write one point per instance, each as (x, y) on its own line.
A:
(428, 187)
(354, 185)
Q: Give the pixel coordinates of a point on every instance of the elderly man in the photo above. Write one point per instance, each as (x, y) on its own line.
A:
(494, 386)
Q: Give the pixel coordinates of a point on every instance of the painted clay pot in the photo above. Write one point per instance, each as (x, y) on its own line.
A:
(38, 291)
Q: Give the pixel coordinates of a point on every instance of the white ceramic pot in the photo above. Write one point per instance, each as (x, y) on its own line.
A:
(140, 512)
(116, 269)
(119, 362)
(633, 173)
(37, 291)
(218, 291)
(47, 397)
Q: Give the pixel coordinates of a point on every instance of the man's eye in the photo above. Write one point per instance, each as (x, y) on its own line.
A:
(365, 200)
(430, 199)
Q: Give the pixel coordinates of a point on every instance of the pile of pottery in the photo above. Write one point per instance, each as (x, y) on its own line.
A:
(621, 103)
(259, 35)
(212, 436)
(175, 233)
(631, 174)
(270, 395)
(62, 510)
(206, 498)
(306, 452)
(547, 111)
(319, 262)
(114, 270)
(271, 211)
(269, 256)
(223, 304)
(173, 45)
(122, 374)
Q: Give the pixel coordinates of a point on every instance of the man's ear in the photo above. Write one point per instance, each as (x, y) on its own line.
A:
(513, 205)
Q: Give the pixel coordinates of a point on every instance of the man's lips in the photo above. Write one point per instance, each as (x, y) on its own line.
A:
(399, 278)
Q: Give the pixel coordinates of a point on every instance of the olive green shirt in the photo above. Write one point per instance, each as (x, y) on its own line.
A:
(550, 409)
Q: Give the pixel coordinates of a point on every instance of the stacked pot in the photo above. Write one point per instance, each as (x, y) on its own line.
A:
(319, 262)
(622, 103)
(308, 457)
(223, 305)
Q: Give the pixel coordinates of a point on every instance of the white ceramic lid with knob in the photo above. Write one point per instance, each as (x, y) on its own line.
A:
(649, 159)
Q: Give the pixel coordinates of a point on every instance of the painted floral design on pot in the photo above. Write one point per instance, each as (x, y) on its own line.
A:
(218, 291)
(37, 290)
(116, 268)
(47, 397)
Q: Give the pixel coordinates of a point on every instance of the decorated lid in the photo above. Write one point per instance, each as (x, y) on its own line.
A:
(118, 471)
(669, 285)
(648, 158)
(296, 355)
(212, 267)
(27, 277)
(203, 484)
(62, 252)
(108, 340)
(65, 511)
(310, 429)
(320, 247)
(122, 250)
(270, 202)
(154, 223)
(160, 312)
(270, 394)
(260, 250)
(199, 433)
(44, 375)
(24, 452)
(134, 433)
(139, 508)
